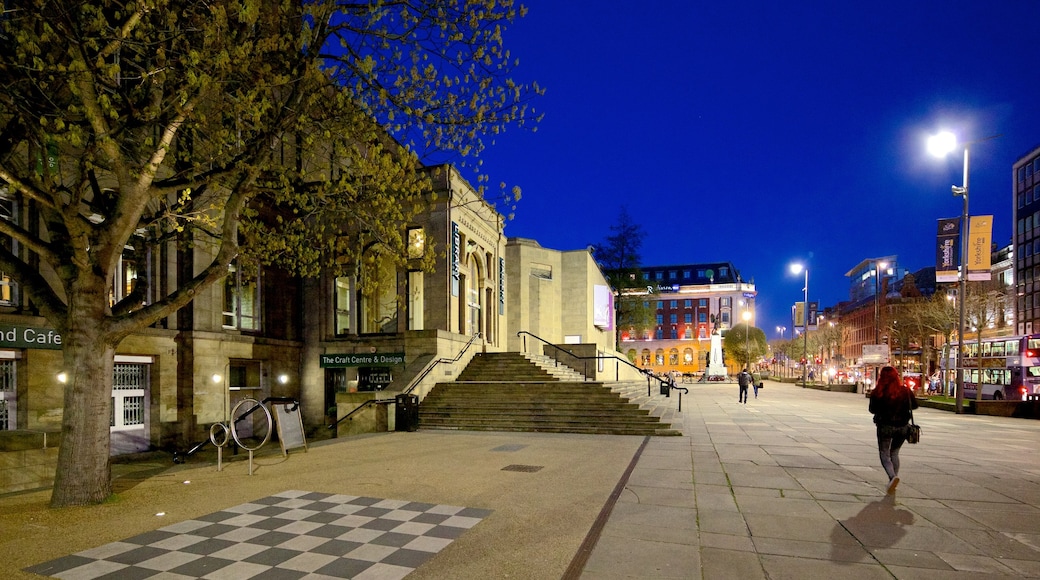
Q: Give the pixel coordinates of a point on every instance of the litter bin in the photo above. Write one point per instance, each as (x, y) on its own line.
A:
(407, 414)
(666, 388)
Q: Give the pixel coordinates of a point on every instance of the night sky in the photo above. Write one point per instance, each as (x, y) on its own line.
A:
(763, 133)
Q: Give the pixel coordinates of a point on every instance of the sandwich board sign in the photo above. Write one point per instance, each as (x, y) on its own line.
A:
(290, 426)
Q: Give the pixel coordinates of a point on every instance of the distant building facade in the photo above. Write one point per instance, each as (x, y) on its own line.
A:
(690, 302)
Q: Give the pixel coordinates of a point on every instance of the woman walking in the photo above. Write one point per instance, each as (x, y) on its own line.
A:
(891, 403)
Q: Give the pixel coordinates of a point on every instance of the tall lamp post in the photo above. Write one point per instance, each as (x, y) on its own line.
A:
(878, 266)
(747, 335)
(941, 145)
(797, 269)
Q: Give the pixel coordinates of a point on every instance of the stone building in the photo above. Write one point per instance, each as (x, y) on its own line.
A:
(323, 341)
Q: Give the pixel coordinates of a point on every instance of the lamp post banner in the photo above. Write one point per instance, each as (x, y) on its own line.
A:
(980, 232)
(947, 254)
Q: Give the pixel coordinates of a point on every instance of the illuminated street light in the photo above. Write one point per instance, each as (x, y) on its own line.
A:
(797, 269)
(940, 146)
(747, 335)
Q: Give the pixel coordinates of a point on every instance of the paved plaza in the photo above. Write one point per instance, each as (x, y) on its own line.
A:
(787, 486)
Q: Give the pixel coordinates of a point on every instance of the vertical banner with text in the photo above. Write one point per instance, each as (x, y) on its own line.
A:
(799, 315)
(980, 233)
(455, 258)
(947, 252)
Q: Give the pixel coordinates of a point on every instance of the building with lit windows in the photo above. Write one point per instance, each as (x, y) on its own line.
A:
(1025, 179)
(690, 301)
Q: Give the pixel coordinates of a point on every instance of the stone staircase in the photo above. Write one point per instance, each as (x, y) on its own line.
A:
(514, 392)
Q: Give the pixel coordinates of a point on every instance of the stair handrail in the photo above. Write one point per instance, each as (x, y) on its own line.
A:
(411, 384)
(662, 380)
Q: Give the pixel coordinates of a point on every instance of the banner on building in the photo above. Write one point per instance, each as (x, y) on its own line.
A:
(947, 254)
(980, 233)
(455, 258)
(814, 309)
(602, 307)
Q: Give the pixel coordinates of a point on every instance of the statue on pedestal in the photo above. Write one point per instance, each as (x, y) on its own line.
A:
(716, 365)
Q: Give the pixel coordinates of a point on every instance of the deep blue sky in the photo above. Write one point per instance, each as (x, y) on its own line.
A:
(762, 133)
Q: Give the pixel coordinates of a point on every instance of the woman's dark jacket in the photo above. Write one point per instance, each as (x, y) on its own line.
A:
(893, 411)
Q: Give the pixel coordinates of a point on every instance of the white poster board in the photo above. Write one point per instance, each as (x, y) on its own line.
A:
(875, 354)
(290, 426)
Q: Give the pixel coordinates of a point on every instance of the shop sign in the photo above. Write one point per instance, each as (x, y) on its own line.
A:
(362, 359)
(29, 337)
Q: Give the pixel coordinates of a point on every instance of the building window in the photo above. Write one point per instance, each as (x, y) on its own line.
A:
(724, 301)
(342, 300)
(703, 303)
(672, 275)
(378, 300)
(687, 303)
(660, 304)
(416, 242)
(131, 271)
(673, 303)
(8, 287)
(660, 319)
(702, 317)
(8, 396)
(673, 318)
(241, 299)
(688, 317)
(129, 382)
(415, 300)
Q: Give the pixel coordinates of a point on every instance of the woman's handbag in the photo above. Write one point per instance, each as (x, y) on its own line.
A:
(913, 431)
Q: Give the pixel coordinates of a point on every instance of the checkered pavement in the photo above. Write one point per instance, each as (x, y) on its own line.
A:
(290, 535)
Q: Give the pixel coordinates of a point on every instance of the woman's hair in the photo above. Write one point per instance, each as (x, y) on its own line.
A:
(888, 384)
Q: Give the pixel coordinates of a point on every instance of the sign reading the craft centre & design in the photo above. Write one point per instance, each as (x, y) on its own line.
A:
(29, 337)
(362, 359)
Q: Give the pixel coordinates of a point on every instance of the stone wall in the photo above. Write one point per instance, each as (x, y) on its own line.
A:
(28, 460)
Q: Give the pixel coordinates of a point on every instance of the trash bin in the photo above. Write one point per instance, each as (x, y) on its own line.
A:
(407, 414)
(666, 388)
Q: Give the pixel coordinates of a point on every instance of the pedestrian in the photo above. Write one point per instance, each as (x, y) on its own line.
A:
(756, 382)
(743, 380)
(891, 403)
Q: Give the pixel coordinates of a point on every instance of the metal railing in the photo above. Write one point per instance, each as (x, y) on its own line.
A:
(411, 384)
(666, 383)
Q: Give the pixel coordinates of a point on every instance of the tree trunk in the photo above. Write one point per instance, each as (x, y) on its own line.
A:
(84, 473)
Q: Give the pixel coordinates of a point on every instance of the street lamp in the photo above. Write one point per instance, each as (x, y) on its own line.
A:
(941, 145)
(781, 330)
(797, 269)
(878, 267)
(747, 335)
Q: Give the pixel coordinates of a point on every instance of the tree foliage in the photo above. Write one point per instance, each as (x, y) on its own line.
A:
(744, 344)
(269, 130)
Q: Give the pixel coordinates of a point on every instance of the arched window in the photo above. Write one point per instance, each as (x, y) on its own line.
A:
(673, 356)
(659, 357)
(688, 358)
